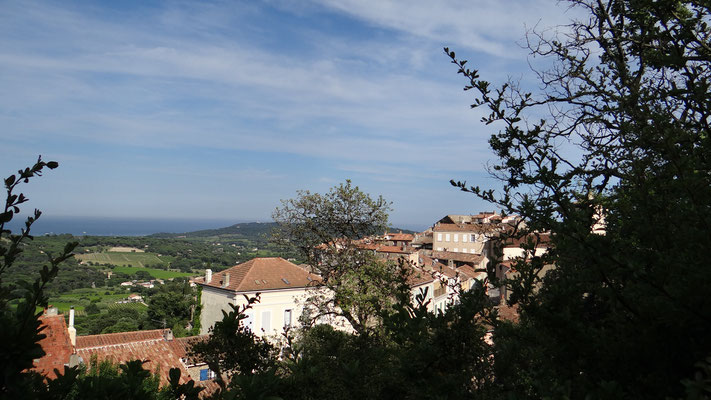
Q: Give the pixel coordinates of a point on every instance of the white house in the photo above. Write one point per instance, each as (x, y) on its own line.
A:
(281, 286)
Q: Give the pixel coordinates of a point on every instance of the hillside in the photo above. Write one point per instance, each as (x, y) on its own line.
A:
(248, 230)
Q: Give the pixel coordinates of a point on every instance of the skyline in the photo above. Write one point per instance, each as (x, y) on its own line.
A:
(219, 110)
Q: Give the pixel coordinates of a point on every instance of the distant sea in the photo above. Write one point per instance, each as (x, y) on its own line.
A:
(103, 226)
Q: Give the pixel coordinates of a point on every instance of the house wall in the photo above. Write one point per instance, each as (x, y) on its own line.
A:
(459, 242)
(516, 252)
(265, 318)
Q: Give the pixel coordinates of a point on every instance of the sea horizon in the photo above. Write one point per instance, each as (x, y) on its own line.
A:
(133, 226)
(117, 226)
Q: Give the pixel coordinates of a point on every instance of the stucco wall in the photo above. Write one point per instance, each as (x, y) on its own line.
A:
(265, 318)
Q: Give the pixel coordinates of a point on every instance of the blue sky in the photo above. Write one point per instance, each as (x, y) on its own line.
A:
(221, 109)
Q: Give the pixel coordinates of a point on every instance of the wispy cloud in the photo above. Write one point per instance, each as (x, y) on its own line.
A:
(357, 87)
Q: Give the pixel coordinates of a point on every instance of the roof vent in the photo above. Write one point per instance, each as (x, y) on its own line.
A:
(286, 281)
(257, 282)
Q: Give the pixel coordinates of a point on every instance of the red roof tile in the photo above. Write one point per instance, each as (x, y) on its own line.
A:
(464, 257)
(56, 345)
(262, 274)
(108, 339)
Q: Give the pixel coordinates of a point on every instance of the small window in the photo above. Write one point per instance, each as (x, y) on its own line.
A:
(446, 237)
(266, 321)
(473, 237)
(465, 237)
(287, 317)
(439, 237)
(456, 237)
(456, 250)
(206, 374)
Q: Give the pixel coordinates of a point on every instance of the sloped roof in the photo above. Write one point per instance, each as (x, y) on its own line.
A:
(394, 249)
(463, 257)
(108, 339)
(56, 345)
(160, 354)
(399, 236)
(262, 274)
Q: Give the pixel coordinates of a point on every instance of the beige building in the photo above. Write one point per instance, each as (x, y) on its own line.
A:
(281, 285)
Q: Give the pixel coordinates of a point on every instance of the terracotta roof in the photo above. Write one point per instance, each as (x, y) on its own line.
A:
(262, 274)
(108, 339)
(544, 240)
(468, 271)
(393, 249)
(464, 257)
(56, 345)
(399, 236)
(160, 354)
(419, 277)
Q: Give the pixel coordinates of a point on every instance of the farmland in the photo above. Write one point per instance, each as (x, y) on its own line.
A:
(156, 273)
(125, 258)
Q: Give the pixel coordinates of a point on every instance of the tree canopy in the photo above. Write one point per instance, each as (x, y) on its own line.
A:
(623, 147)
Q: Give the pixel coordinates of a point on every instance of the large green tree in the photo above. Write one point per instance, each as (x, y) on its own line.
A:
(623, 145)
(327, 229)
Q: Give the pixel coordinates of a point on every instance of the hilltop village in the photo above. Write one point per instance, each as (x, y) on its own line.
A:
(447, 259)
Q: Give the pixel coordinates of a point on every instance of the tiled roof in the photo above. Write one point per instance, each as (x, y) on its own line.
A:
(464, 257)
(262, 274)
(393, 249)
(419, 277)
(56, 345)
(544, 240)
(399, 236)
(160, 354)
(468, 271)
(108, 339)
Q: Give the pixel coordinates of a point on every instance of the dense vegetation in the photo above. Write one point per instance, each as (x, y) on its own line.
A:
(624, 314)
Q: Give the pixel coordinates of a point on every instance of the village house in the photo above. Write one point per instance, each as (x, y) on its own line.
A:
(281, 285)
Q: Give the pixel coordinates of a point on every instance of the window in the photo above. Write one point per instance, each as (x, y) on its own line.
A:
(456, 250)
(266, 321)
(465, 237)
(287, 317)
(473, 237)
(446, 237)
(456, 237)
(206, 374)
(439, 249)
(439, 237)
(249, 321)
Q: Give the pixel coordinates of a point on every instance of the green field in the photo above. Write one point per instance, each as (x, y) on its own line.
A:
(125, 258)
(156, 273)
(80, 298)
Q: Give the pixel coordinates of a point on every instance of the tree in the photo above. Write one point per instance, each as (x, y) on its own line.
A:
(326, 230)
(21, 330)
(624, 146)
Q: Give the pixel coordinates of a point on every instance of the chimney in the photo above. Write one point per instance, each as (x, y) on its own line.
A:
(168, 335)
(226, 280)
(71, 330)
(208, 275)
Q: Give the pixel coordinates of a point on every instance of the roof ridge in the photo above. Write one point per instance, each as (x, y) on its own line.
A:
(104, 346)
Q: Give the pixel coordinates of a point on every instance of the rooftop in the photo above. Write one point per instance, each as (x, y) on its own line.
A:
(261, 274)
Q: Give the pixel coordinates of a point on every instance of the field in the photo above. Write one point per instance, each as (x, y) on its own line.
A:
(125, 258)
(156, 273)
(80, 298)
